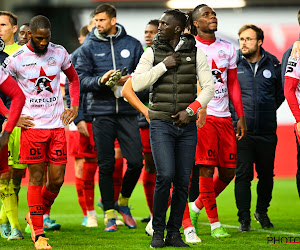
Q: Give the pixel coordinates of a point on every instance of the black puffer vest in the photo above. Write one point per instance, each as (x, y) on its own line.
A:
(177, 88)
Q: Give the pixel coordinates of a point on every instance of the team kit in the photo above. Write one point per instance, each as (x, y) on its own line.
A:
(183, 105)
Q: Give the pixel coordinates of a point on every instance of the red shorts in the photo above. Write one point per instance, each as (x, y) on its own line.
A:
(145, 137)
(41, 145)
(81, 146)
(73, 144)
(216, 143)
(4, 160)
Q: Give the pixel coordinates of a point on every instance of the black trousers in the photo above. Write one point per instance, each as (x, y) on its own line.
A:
(298, 164)
(258, 150)
(105, 130)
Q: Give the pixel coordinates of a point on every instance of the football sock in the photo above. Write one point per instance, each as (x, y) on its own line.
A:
(215, 225)
(219, 186)
(118, 177)
(47, 199)
(110, 214)
(91, 213)
(80, 194)
(170, 196)
(10, 205)
(3, 189)
(35, 204)
(88, 175)
(186, 220)
(123, 201)
(207, 195)
(149, 185)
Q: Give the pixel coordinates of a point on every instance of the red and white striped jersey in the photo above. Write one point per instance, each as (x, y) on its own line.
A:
(39, 79)
(221, 56)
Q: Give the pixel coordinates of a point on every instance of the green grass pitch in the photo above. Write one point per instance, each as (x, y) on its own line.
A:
(284, 213)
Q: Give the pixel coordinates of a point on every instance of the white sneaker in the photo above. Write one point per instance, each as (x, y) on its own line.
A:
(149, 229)
(191, 236)
(92, 221)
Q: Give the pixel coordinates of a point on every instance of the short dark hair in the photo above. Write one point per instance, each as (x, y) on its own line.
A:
(109, 9)
(178, 15)
(25, 24)
(298, 16)
(259, 32)
(84, 31)
(192, 16)
(39, 22)
(153, 22)
(13, 19)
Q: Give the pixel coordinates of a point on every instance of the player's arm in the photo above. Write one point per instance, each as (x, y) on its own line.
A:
(145, 74)
(292, 77)
(132, 98)
(71, 113)
(235, 96)
(10, 88)
(296, 50)
(290, 87)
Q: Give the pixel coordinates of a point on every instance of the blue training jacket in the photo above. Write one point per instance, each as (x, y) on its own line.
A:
(262, 93)
(98, 55)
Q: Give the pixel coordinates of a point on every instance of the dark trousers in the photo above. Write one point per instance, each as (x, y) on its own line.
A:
(298, 164)
(258, 150)
(173, 150)
(105, 130)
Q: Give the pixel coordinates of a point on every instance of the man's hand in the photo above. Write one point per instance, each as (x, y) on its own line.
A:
(182, 118)
(241, 128)
(146, 114)
(295, 50)
(69, 115)
(82, 128)
(106, 76)
(172, 61)
(4, 137)
(123, 79)
(25, 122)
(201, 118)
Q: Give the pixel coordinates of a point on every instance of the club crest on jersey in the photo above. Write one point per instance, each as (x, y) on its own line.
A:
(217, 73)
(51, 61)
(43, 82)
(222, 54)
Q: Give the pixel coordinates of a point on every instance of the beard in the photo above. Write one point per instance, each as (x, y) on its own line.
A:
(251, 52)
(37, 50)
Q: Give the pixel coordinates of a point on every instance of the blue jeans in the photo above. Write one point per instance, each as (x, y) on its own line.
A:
(173, 150)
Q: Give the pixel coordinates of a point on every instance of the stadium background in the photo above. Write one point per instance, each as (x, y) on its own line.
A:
(278, 19)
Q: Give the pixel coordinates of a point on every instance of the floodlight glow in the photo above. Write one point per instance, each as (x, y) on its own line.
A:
(190, 4)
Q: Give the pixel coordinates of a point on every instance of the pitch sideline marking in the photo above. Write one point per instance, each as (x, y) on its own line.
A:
(201, 223)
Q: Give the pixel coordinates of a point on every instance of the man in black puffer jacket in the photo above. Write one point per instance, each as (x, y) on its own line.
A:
(108, 49)
(262, 94)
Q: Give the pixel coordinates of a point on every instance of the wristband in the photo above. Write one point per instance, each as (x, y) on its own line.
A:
(194, 106)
